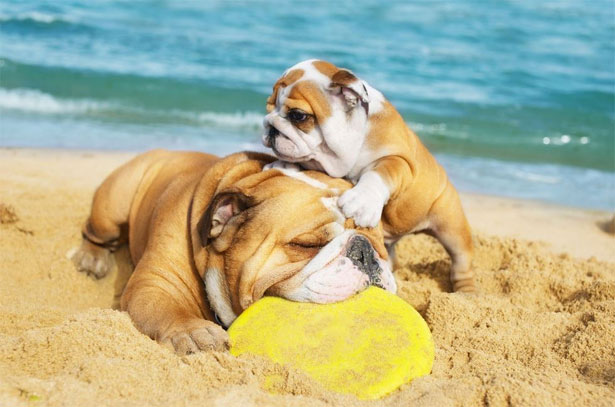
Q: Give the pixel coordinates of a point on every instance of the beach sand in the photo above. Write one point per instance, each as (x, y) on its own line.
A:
(540, 331)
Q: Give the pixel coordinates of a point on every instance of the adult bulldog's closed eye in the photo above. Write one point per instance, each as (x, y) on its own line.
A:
(210, 236)
(325, 118)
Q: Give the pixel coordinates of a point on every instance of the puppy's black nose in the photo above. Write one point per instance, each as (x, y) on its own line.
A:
(361, 253)
(272, 132)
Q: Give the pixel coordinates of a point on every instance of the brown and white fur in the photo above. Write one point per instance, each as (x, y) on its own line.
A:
(324, 118)
(209, 236)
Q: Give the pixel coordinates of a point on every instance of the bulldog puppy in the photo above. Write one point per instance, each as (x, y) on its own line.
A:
(324, 118)
(209, 236)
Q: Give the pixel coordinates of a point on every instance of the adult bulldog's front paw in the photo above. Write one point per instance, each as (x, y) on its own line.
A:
(196, 335)
(91, 259)
(281, 165)
(357, 204)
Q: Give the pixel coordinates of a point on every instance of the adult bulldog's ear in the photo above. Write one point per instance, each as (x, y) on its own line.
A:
(351, 88)
(224, 207)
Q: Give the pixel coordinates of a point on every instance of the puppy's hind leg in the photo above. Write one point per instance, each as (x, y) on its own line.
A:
(451, 228)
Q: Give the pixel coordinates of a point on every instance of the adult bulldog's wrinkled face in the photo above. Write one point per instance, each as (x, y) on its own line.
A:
(283, 235)
(317, 116)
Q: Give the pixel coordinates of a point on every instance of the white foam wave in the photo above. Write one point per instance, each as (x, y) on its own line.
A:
(34, 16)
(438, 129)
(443, 90)
(251, 120)
(536, 177)
(36, 101)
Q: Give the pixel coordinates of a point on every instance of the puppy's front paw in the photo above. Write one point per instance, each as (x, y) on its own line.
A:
(94, 260)
(196, 335)
(281, 165)
(357, 204)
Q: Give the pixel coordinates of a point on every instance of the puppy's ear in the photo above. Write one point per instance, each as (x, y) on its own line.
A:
(351, 88)
(224, 207)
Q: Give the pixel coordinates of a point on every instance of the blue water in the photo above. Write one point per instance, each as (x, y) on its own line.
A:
(514, 98)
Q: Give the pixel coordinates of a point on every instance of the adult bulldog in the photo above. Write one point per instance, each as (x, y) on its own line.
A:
(324, 118)
(209, 236)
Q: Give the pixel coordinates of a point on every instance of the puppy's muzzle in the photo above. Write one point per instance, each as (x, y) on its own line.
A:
(361, 253)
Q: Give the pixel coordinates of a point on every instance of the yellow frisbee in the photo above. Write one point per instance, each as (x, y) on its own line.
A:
(367, 345)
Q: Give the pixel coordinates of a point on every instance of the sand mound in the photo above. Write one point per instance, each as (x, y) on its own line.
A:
(540, 332)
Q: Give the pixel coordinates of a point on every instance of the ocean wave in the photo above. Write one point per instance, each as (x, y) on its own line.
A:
(34, 101)
(34, 16)
(536, 177)
(251, 120)
(562, 184)
(246, 120)
(437, 129)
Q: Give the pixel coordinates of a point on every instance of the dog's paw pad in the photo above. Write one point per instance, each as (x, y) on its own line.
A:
(199, 335)
(95, 261)
(211, 338)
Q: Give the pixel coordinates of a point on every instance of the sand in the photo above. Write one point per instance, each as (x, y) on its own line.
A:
(540, 332)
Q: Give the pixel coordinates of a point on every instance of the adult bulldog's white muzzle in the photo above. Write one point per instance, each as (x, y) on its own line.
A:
(345, 266)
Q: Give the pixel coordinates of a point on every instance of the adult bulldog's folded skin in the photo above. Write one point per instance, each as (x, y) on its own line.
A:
(324, 118)
(209, 236)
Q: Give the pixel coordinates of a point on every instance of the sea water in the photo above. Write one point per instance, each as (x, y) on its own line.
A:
(515, 98)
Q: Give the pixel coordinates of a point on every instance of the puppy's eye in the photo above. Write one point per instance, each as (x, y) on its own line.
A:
(297, 115)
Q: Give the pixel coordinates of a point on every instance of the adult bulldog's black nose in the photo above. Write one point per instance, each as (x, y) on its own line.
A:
(361, 253)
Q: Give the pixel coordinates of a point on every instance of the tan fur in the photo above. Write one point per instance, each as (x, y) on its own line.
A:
(161, 202)
(307, 97)
(420, 191)
(286, 80)
(326, 68)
